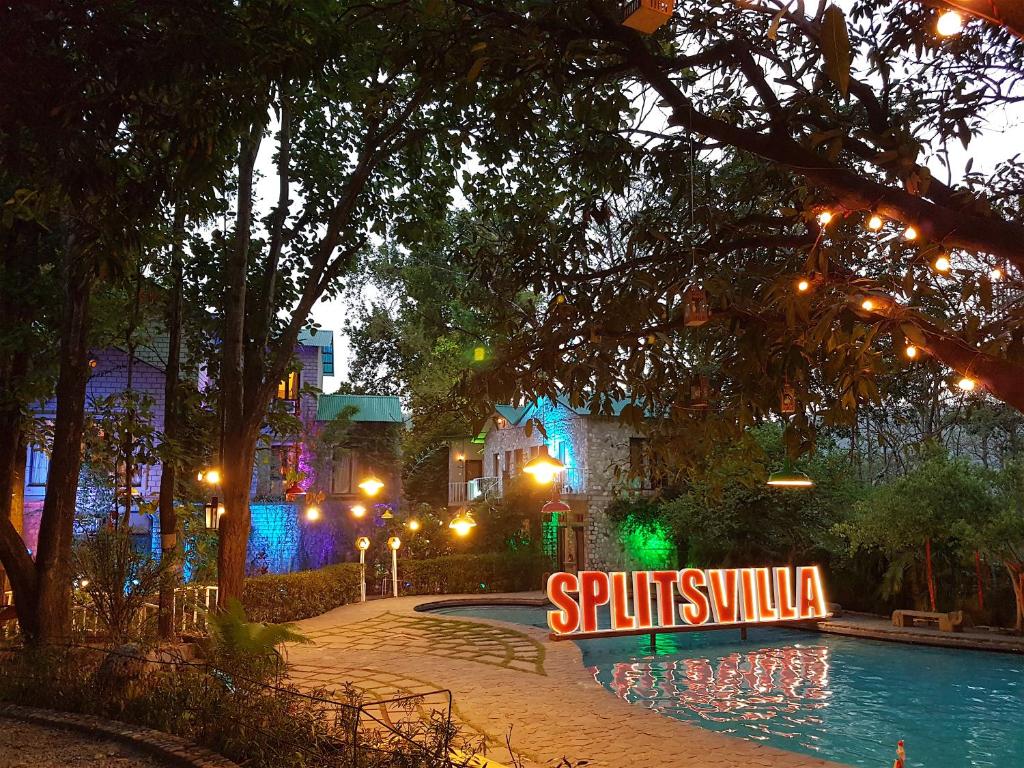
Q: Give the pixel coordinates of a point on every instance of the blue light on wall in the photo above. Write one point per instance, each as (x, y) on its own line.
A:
(274, 538)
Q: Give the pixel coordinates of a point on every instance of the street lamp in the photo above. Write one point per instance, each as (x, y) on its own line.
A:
(363, 544)
(371, 485)
(543, 468)
(393, 544)
(463, 522)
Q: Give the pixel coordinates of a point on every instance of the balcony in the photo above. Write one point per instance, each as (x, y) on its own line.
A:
(571, 482)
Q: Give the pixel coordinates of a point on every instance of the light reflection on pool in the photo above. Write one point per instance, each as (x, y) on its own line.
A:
(838, 698)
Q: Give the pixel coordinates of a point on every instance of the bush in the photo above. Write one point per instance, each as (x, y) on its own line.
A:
(492, 572)
(300, 595)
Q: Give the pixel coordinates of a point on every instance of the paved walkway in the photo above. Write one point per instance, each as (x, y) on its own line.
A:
(508, 679)
(881, 628)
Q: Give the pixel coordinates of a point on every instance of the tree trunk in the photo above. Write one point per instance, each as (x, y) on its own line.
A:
(928, 568)
(239, 459)
(172, 421)
(53, 558)
(1016, 571)
(17, 562)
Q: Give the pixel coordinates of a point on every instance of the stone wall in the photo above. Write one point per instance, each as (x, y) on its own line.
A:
(607, 465)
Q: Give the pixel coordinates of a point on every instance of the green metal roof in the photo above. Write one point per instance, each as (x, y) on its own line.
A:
(510, 413)
(384, 408)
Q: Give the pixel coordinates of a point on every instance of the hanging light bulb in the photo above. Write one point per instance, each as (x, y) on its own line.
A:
(910, 233)
(950, 23)
(825, 217)
(995, 275)
(910, 351)
(967, 384)
(803, 285)
(875, 222)
(942, 264)
(868, 305)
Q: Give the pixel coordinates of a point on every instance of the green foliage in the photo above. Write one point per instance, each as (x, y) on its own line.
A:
(299, 595)
(248, 648)
(472, 574)
(115, 581)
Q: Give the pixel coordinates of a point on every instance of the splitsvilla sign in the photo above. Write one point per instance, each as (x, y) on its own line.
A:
(645, 602)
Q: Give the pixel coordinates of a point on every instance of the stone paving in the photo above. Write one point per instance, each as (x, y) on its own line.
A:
(508, 681)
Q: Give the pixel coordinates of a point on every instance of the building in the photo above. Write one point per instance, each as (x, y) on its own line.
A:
(603, 457)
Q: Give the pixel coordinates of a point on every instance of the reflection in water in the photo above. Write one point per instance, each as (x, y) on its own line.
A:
(771, 690)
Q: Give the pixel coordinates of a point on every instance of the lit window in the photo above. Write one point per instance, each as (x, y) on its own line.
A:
(288, 388)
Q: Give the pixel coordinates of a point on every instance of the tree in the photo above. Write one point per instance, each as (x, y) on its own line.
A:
(104, 111)
(707, 155)
(367, 131)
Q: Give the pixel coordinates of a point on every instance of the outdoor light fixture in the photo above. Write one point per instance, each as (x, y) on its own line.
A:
(910, 351)
(358, 510)
(210, 477)
(868, 305)
(371, 485)
(825, 217)
(996, 274)
(543, 468)
(950, 23)
(789, 477)
(967, 384)
(414, 525)
(463, 522)
(460, 457)
(393, 544)
(803, 285)
(555, 506)
(387, 514)
(213, 512)
(910, 233)
(942, 264)
(312, 514)
(875, 222)
(362, 544)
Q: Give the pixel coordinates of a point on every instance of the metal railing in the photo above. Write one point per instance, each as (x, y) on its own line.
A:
(572, 481)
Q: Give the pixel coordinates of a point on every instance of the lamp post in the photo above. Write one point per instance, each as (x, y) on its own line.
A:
(463, 522)
(394, 543)
(364, 544)
(214, 509)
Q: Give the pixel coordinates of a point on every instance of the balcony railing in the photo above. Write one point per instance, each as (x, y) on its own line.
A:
(571, 482)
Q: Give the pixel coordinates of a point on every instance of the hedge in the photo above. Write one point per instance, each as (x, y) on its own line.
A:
(300, 595)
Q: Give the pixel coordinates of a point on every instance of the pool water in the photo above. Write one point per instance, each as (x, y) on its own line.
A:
(838, 698)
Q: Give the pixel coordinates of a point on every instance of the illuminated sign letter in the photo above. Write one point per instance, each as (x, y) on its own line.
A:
(784, 602)
(665, 580)
(567, 618)
(724, 592)
(748, 592)
(621, 618)
(811, 601)
(696, 610)
(593, 592)
(642, 599)
(767, 608)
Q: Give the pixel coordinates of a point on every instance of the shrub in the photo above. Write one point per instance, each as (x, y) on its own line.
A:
(299, 595)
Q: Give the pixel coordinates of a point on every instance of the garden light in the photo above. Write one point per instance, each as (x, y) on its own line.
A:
(543, 468)
(789, 477)
(462, 523)
(313, 514)
(371, 485)
(803, 285)
(362, 544)
(358, 510)
(393, 544)
(950, 23)
(414, 525)
(387, 514)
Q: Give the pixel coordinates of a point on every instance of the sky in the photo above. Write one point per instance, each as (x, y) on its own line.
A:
(1003, 137)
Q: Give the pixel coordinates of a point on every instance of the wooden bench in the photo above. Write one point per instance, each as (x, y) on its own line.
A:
(948, 622)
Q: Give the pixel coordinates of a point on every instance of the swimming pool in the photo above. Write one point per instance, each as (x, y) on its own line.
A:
(837, 698)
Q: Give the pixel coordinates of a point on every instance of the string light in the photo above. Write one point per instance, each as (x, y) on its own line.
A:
(825, 217)
(942, 264)
(950, 23)
(910, 233)
(875, 222)
(910, 351)
(967, 384)
(803, 285)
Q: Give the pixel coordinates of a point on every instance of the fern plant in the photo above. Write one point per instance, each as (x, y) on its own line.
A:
(248, 649)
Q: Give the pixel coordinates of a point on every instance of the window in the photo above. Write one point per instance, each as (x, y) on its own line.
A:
(341, 472)
(519, 460)
(36, 466)
(288, 388)
(497, 465)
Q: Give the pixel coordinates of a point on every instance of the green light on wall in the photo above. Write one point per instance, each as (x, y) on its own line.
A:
(549, 535)
(648, 544)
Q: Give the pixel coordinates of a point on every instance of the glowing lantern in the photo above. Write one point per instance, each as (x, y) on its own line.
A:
(950, 23)
(358, 510)
(210, 477)
(479, 354)
(543, 468)
(803, 285)
(313, 514)
(463, 522)
(789, 478)
(363, 543)
(394, 543)
(825, 217)
(213, 514)
(996, 274)
(646, 15)
(875, 222)
(967, 384)
(696, 310)
(942, 264)
(910, 233)
(414, 525)
(910, 351)
(787, 400)
(868, 305)
(371, 485)
(555, 506)
(700, 392)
